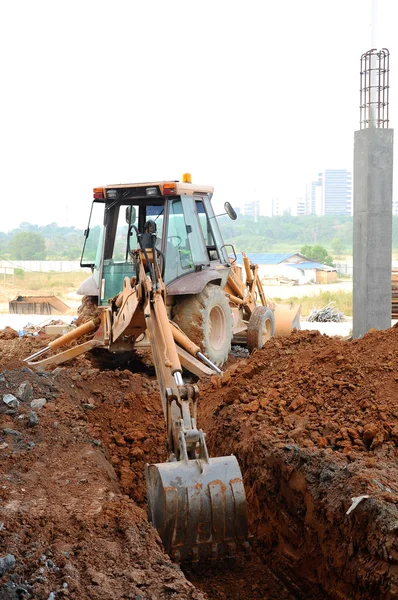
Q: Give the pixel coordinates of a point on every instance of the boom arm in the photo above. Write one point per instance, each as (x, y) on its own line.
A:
(178, 399)
(197, 503)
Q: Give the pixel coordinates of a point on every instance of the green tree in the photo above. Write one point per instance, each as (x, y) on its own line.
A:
(317, 253)
(27, 245)
(337, 246)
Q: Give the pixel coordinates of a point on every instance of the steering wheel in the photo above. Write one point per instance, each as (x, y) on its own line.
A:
(175, 237)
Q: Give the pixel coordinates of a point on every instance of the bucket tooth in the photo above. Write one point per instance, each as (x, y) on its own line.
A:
(231, 549)
(195, 557)
(214, 553)
(248, 550)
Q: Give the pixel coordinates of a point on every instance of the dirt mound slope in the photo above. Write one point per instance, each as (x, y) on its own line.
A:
(314, 423)
(8, 333)
(70, 468)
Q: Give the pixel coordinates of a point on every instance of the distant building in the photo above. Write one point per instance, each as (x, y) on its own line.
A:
(276, 209)
(252, 209)
(301, 207)
(314, 196)
(337, 192)
(331, 193)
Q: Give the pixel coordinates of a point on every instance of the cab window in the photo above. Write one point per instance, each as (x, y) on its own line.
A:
(177, 249)
(206, 231)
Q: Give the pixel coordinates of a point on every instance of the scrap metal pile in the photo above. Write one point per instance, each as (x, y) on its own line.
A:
(326, 314)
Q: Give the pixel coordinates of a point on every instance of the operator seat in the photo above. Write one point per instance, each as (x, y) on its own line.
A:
(172, 255)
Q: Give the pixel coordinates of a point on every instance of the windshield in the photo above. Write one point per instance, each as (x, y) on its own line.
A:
(184, 232)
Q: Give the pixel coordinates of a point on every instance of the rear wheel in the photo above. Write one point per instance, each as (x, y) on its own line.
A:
(206, 319)
(261, 327)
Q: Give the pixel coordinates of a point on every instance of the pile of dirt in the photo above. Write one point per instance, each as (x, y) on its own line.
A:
(73, 445)
(314, 423)
(320, 392)
(8, 333)
(88, 310)
(13, 353)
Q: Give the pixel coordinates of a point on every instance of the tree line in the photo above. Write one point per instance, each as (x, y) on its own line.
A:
(263, 234)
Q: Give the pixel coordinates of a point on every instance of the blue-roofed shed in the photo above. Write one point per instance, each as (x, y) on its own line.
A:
(275, 268)
(269, 258)
(312, 265)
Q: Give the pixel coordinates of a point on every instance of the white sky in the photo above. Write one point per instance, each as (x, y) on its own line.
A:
(252, 97)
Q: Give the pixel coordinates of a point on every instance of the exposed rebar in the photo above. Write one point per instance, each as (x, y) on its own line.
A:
(374, 89)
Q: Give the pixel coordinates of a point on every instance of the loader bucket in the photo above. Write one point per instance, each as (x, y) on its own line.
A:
(199, 508)
(287, 318)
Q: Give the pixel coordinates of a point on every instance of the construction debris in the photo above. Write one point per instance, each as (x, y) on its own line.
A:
(326, 314)
(49, 327)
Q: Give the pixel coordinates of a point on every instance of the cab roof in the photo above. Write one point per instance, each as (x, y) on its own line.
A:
(180, 187)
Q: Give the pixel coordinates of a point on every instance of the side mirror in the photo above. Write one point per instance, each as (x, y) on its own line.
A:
(230, 211)
(130, 215)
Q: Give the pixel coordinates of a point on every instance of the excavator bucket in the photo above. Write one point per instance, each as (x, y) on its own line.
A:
(287, 318)
(199, 508)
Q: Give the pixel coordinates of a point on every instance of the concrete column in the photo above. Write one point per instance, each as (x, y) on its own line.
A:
(373, 176)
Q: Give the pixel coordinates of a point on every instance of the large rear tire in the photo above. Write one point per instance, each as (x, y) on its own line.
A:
(261, 327)
(206, 318)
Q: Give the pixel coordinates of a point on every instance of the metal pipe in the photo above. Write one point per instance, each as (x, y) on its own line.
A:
(183, 340)
(66, 338)
(209, 363)
(178, 378)
(36, 354)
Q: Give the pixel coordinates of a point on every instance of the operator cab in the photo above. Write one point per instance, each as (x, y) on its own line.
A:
(187, 234)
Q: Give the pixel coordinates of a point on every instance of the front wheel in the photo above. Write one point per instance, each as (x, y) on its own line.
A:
(261, 327)
(206, 319)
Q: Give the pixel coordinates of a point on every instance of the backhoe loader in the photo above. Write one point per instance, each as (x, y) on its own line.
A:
(163, 277)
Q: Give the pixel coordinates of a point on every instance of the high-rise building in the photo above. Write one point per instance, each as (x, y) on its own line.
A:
(314, 196)
(337, 192)
(251, 209)
(331, 194)
(275, 207)
(301, 207)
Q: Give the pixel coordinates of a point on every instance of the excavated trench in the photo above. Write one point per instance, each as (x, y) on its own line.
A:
(310, 436)
(260, 577)
(313, 422)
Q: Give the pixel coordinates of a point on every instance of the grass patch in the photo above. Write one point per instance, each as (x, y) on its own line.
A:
(342, 300)
(53, 282)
